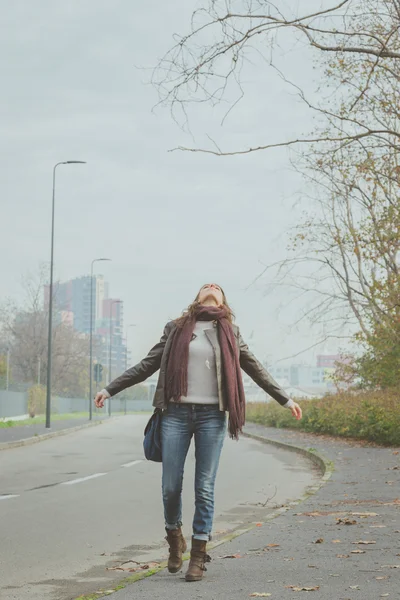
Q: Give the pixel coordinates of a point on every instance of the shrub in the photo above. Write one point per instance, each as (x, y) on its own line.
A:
(36, 400)
(373, 416)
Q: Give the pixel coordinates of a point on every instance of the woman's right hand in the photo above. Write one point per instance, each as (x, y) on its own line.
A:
(100, 398)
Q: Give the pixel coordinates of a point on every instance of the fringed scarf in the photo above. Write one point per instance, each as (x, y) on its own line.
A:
(178, 358)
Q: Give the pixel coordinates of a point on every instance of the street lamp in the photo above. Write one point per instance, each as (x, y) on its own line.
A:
(109, 367)
(126, 354)
(50, 333)
(126, 343)
(91, 336)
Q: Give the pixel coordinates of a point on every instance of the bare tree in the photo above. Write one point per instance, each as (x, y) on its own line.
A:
(205, 64)
(26, 327)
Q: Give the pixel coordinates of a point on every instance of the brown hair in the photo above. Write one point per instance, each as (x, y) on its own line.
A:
(191, 309)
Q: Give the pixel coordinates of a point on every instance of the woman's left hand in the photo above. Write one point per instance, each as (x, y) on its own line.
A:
(296, 411)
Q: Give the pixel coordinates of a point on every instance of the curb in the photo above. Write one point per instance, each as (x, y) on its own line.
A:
(327, 469)
(46, 436)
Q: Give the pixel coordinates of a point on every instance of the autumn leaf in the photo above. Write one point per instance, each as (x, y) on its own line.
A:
(342, 555)
(231, 556)
(336, 542)
(295, 588)
(319, 541)
(272, 545)
(346, 522)
(260, 595)
(358, 552)
(132, 566)
(365, 542)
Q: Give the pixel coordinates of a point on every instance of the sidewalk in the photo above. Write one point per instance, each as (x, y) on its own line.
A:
(315, 545)
(25, 432)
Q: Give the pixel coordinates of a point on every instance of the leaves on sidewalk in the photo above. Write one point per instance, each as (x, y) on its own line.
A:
(296, 588)
(358, 552)
(365, 542)
(342, 555)
(132, 566)
(346, 522)
(319, 541)
(231, 556)
(260, 595)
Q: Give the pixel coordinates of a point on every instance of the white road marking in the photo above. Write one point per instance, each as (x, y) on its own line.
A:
(131, 464)
(8, 496)
(73, 481)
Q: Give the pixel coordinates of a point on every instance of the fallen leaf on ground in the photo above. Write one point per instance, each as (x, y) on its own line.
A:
(260, 595)
(377, 526)
(395, 452)
(336, 542)
(272, 545)
(132, 566)
(354, 587)
(364, 542)
(296, 588)
(383, 595)
(390, 566)
(382, 577)
(342, 555)
(319, 541)
(346, 522)
(358, 552)
(231, 556)
(259, 524)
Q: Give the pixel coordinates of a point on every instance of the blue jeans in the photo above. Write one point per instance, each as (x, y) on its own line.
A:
(208, 426)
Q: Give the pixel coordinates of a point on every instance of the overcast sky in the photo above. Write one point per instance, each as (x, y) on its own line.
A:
(75, 87)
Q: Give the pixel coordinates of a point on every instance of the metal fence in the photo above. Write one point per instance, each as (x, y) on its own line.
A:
(15, 405)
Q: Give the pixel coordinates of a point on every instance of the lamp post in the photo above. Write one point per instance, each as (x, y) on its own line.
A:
(110, 356)
(126, 342)
(91, 336)
(50, 333)
(126, 354)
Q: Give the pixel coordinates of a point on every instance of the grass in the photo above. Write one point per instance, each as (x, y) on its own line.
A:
(55, 417)
(371, 416)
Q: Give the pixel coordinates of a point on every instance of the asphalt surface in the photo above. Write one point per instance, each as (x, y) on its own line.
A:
(23, 432)
(75, 508)
(307, 546)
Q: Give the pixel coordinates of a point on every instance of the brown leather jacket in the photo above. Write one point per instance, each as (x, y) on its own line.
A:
(157, 359)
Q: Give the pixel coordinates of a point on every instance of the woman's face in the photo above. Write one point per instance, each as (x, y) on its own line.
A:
(211, 293)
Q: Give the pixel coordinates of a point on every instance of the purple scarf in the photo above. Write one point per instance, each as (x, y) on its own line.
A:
(178, 358)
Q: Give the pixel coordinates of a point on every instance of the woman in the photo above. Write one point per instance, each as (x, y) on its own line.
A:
(199, 357)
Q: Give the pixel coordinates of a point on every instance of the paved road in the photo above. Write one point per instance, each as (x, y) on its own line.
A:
(72, 506)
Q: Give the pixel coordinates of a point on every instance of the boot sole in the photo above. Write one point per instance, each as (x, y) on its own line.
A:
(191, 579)
(174, 570)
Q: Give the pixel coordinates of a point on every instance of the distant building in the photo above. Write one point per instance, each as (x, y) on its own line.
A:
(72, 307)
(304, 377)
(328, 361)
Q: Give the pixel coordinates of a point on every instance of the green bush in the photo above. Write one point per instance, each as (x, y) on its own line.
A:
(373, 416)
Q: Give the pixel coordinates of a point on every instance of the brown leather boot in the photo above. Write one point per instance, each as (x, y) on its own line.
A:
(198, 558)
(177, 547)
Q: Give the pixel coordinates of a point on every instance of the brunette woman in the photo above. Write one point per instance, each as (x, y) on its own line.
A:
(200, 356)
